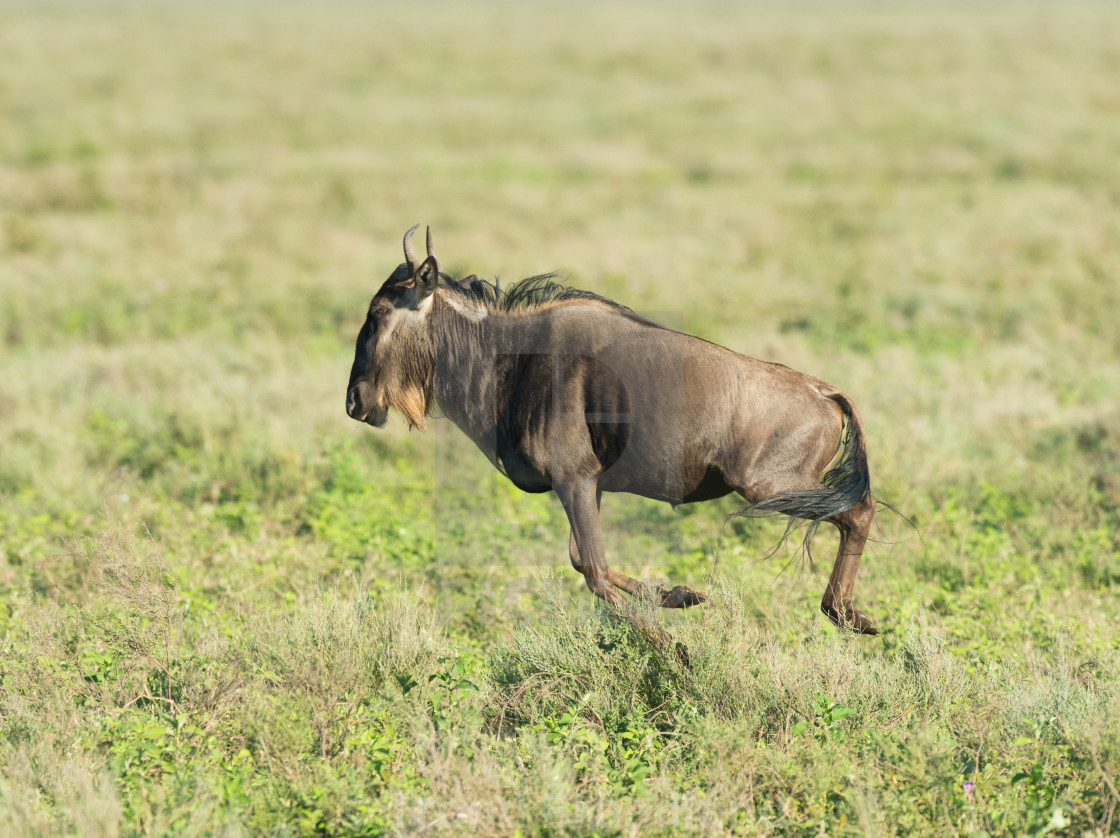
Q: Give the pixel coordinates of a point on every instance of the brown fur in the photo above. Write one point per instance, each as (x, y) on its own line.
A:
(406, 380)
(567, 391)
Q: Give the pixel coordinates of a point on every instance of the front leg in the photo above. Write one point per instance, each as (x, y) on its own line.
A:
(679, 597)
(588, 555)
(619, 580)
(581, 503)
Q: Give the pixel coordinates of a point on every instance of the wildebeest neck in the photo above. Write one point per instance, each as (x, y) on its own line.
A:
(472, 360)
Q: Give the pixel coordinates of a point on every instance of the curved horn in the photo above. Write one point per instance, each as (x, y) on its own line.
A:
(432, 253)
(410, 256)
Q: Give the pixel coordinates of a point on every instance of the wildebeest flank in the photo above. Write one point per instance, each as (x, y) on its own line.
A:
(567, 391)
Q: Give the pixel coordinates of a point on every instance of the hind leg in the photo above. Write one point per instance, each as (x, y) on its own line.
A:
(837, 603)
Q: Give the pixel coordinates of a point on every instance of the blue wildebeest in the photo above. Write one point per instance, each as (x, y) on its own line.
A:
(567, 391)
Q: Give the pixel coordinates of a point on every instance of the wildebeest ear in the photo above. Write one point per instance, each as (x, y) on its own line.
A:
(427, 277)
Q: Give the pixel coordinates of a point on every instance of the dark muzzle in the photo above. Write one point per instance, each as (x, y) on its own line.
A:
(361, 406)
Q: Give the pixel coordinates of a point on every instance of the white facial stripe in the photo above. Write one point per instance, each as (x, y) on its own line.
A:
(390, 326)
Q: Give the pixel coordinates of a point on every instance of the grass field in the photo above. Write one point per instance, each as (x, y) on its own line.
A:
(226, 609)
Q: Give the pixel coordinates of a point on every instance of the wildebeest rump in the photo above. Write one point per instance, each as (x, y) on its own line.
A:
(567, 391)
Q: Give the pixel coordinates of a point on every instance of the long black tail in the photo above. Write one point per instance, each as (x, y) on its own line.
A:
(843, 486)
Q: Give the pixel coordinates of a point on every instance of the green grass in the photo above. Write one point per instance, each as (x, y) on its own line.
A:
(227, 609)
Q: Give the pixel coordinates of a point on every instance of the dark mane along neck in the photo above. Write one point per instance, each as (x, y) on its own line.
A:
(527, 294)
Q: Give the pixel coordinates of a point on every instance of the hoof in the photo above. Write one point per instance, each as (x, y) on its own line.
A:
(682, 597)
(851, 619)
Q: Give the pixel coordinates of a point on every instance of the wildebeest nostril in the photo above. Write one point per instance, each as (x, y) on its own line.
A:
(351, 403)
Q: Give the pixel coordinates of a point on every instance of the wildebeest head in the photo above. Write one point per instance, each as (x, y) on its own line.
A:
(393, 356)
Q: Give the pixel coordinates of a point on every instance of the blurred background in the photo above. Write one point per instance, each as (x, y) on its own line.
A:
(918, 204)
